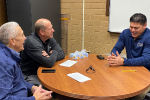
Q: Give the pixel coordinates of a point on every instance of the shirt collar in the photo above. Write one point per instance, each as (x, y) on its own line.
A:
(36, 35)
(11, 53)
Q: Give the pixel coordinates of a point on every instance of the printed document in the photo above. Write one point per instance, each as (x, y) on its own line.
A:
(78, 77)
(68, 63)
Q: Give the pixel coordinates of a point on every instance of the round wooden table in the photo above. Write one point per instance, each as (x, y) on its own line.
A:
(107, 83)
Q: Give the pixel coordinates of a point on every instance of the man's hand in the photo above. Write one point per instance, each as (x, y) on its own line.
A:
(114, 60)
(45, 54)
(33, 89)
(50, 52)
(41, 94)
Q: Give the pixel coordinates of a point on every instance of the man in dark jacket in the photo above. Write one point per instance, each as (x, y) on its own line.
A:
(40, 48)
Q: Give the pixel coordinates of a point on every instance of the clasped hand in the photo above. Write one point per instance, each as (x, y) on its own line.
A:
(41, 94)
(114, 60)
(45, 54)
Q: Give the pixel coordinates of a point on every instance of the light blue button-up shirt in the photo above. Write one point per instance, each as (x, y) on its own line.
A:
(138, 51)
(12, 84)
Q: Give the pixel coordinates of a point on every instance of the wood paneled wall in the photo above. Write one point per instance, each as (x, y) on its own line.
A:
(3, 15)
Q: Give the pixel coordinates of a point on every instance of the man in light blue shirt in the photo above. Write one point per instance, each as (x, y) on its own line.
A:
(12, 84)
(136, 40)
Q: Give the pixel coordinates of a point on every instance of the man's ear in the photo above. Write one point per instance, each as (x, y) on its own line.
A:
(145, 25)
(41, 32)
(11, 41)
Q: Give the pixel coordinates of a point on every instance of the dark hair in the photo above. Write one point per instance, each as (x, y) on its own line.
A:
(138, 18)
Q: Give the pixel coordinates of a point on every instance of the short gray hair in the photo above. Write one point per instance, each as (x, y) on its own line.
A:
(7, 31)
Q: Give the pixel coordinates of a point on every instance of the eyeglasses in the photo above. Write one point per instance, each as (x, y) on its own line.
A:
(90, 69)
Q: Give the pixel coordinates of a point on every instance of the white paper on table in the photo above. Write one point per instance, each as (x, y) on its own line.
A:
(78, 77)
(68, 63)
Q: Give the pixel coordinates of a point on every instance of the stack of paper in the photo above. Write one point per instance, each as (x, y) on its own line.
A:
(68, 63)
(78, 77)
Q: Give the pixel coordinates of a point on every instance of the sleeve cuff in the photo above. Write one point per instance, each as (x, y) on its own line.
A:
(125, 62)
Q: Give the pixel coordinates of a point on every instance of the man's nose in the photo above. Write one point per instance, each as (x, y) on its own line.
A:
(132, 29)
(53, 30)
(24, 38)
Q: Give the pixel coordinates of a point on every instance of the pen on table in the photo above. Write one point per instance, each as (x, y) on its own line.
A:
(129, 70)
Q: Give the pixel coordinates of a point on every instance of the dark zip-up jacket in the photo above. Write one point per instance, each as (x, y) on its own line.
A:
(31, 56)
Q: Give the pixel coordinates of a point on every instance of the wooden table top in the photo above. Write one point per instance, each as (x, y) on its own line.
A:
(107, 83)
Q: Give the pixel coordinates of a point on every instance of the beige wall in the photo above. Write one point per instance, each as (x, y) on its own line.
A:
(96, 38)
